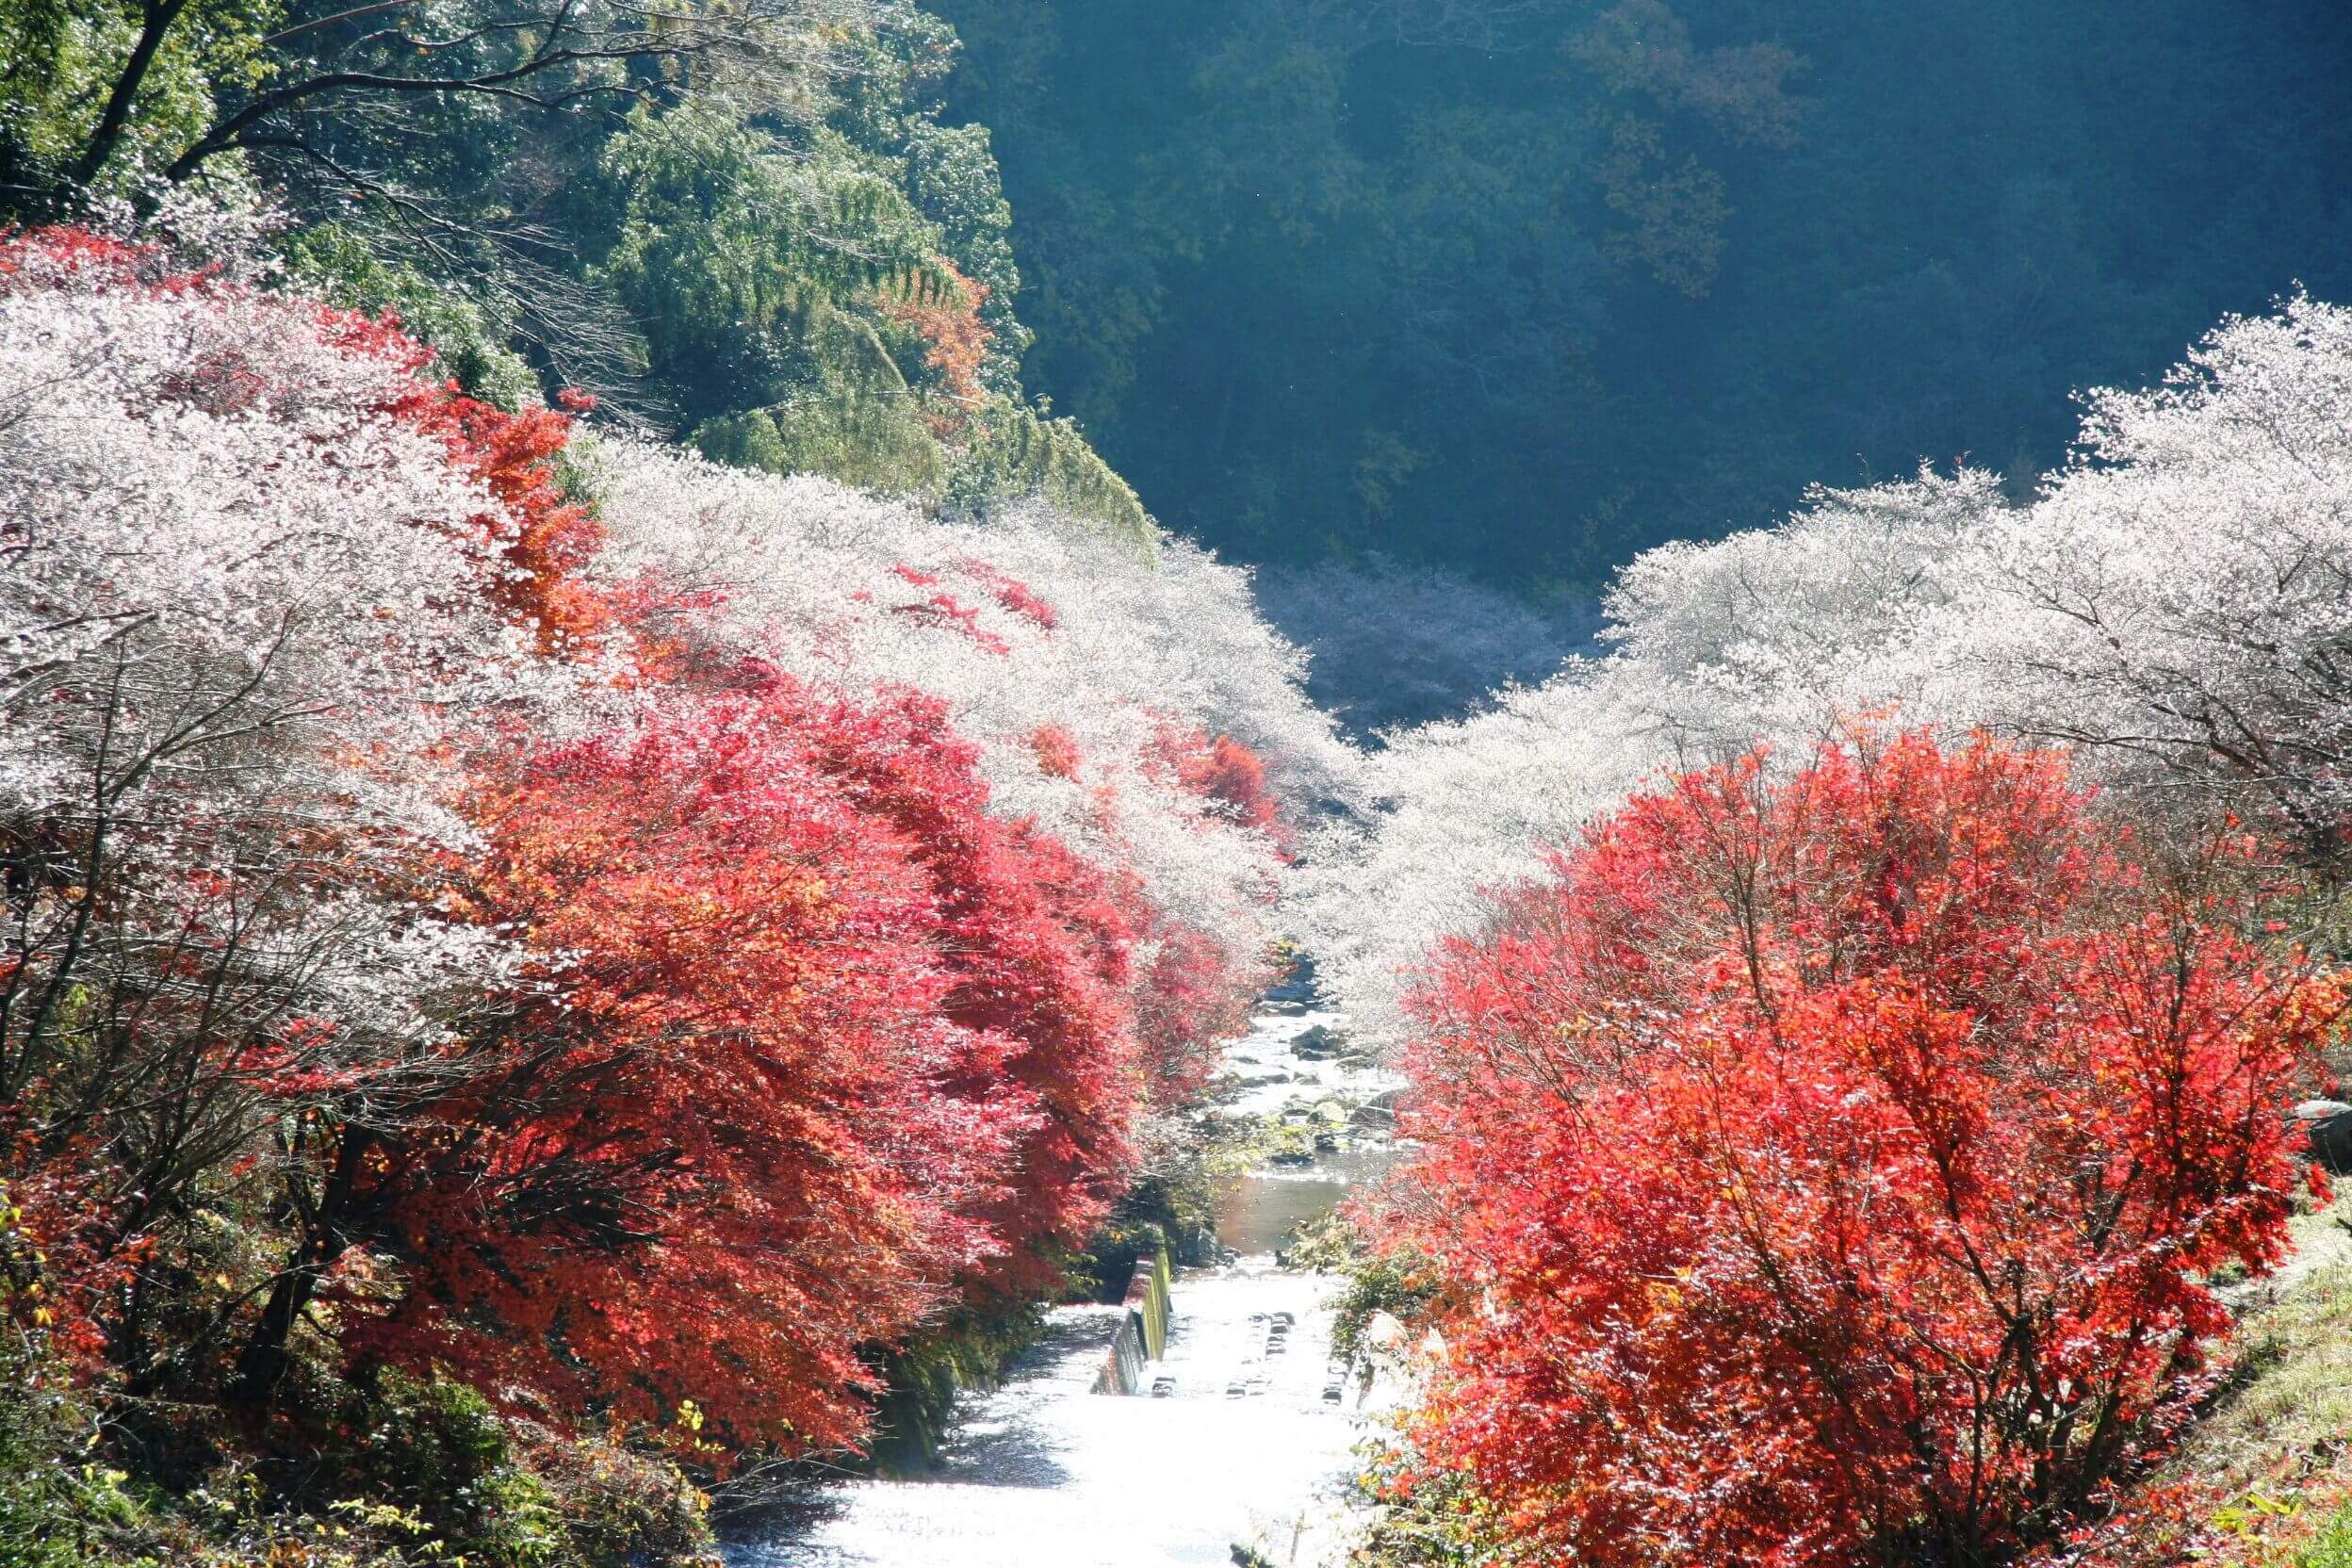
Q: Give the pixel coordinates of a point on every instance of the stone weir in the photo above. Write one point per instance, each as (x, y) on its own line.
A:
(1142, 1337)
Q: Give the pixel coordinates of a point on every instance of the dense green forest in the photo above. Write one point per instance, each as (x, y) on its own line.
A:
(1517, 288)
(732, 224)
(1526, 286)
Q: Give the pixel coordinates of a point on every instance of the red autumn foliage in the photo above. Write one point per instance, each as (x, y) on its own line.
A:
(1197, 995)
(1057, 750)
(1010, 592)
(957, 336)
(61, 1261)
(551, 538)
(820, 1044)
(738, 1138)
(1219, 769)
(75, 257)
(1038, 945)
(944, 609)
(1829, 1167)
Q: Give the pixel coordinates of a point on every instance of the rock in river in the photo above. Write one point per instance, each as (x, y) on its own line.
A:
(1315, 1043)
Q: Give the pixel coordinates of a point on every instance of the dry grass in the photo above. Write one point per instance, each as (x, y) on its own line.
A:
(2276, 1451)
(2294, 1396)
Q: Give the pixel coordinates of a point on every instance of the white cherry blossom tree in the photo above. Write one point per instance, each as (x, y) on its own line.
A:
(2175, 604)
(1074, 662)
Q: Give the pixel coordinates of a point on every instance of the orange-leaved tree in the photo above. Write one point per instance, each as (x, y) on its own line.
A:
(1828, 1162)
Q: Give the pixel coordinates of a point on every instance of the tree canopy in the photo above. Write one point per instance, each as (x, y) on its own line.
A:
(1526, 289)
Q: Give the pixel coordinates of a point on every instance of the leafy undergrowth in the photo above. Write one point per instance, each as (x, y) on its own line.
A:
(400, 1474)
(2265, 1479)
(2263, 1476)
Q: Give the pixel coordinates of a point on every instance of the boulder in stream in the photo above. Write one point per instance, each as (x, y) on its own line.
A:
(1314, 1043)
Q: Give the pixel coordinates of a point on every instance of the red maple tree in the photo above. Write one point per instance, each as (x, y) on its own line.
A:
(733, 1140)
(1039, 948)
(1830, 1166)
(815, 1046)
(1222, 770)
(548, 535)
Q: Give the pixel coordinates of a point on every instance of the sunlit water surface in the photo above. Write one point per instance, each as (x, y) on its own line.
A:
(1044, 1474)
(1242, 1445)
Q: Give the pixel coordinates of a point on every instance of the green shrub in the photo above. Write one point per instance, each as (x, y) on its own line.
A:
(1012, 452)
(2332, 1546)
(1391, 1283)
(875, 440)
(469, 350)
(61, 1504)
(968, 1349)
(613, 1507)
(508, 1493)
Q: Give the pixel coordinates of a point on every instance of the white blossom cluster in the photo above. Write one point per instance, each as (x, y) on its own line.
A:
(2175, 603)
(218, 546)
(242, 631)
(1451, 810)
(1024, 623)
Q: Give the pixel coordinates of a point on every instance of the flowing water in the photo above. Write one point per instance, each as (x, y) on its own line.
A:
(1244, 1440)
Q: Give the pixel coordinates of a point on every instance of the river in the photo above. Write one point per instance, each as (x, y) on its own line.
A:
(1245, 1441)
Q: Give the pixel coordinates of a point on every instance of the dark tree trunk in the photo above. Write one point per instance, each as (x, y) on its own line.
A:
(159, 16)
(329, 1226)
